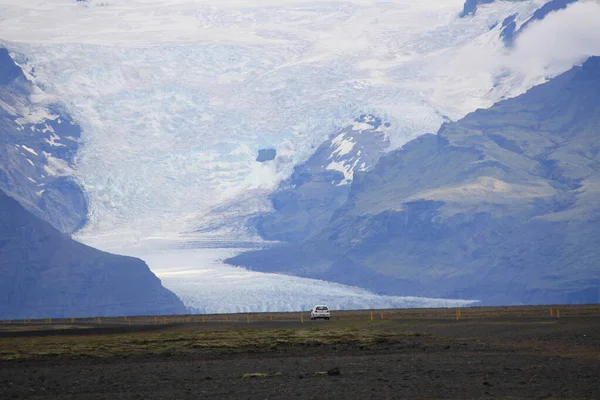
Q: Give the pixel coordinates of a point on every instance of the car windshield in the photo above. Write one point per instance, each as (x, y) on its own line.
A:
(322, 308)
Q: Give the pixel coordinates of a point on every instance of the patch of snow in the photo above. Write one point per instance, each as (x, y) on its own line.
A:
(29, 149)
(343, 146)
(361, 126)
(56, 166)
(47, 128)
(52, 141)
(34, 114)
(344, 169)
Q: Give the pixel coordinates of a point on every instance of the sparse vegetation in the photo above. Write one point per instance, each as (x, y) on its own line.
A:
(181, 340)
(255, 375)
(504, 352)
(180, 335)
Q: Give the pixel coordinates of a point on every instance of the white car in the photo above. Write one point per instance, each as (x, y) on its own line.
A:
(320, 312)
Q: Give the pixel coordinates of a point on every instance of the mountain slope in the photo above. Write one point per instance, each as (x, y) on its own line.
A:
(44, 273)
(501, 206)
(304, 203)
(37, 146)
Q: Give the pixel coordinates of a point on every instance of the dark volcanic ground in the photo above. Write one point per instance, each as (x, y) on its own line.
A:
(509, 356)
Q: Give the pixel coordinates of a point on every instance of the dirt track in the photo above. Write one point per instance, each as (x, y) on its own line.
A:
(510, 355)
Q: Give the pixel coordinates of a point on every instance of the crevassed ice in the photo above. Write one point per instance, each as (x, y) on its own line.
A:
(205, 285)
(175, 99)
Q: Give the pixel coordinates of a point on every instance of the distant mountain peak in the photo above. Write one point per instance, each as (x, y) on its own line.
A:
(305, 202)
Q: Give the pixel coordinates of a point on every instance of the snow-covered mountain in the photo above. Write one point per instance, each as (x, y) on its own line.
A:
(176, 98)
(304, 203)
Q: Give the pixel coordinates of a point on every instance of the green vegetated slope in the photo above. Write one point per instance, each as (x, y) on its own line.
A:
(501, 206)
(45, 273)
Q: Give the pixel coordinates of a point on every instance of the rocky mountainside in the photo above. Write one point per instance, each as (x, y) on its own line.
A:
(44, 273)
(304, 203)
(37, 144)
(509, 31)
(501, 206)
(509, 28)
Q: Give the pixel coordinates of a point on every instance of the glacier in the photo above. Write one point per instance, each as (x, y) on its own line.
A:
(206, 286)
(175, 98)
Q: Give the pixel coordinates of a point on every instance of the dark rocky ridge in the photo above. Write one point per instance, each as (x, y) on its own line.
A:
(37, 146)
(543, 11)
(509, 32)
(501, 206)
(470, 7)
(9, 71)
(46, 274)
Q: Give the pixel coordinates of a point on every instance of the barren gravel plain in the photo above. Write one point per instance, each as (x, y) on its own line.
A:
(500, 352)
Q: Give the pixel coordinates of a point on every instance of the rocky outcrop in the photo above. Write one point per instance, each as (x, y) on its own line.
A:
(543, 11)
(501, 206)
(304, 203)
(470, 7)
(44, 273)
(37, 145)
(265, 155)
(509, 31)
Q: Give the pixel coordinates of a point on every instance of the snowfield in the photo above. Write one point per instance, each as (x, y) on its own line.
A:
(175, 97)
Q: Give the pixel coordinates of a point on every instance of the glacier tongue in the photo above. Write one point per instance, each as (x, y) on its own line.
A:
(206, 285)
